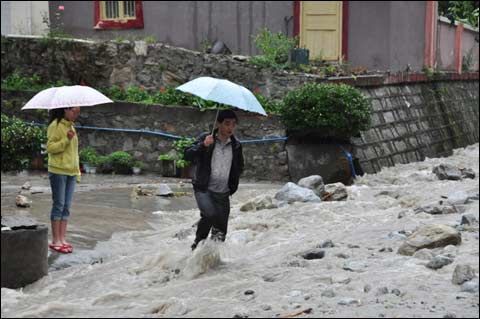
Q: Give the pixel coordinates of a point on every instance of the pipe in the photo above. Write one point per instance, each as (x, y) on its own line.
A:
(167, 135)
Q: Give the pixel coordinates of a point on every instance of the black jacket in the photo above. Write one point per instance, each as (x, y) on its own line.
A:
(201, 157)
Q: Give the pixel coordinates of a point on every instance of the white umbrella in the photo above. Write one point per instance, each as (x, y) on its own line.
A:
(66, 96)
(225, 92)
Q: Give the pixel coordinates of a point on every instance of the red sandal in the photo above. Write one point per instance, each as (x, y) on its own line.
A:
(58, 248)
(68, 247)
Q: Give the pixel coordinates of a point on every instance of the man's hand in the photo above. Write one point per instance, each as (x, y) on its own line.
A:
(208, 141)
(70, 134)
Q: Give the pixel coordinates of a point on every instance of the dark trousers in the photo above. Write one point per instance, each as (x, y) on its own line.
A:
(214, 212)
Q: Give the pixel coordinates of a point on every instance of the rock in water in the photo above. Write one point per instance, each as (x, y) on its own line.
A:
(430, 236)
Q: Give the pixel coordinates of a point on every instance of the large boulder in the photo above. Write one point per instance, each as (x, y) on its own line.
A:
(335, 192)
(446, 171)
(293, 193)
(259, 203)
(315, 183)
(463, 273)
(22, 201)
(430, 236)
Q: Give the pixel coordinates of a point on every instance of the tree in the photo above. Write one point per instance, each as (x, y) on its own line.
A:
(462, 11)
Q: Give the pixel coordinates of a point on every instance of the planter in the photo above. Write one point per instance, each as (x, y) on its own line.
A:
(86, 168)
(93, 170)
(136, 170)
(185, 172)
(37, 163)
(168, 168)
(299, 56)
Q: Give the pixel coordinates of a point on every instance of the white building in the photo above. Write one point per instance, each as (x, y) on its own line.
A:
(25, 17)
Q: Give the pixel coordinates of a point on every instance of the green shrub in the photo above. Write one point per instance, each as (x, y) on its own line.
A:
(16, 81)
(270, 106)
(338, 110)
(121, 162)
(88, 155)
(180, 146)
(275, 48)
(21, 142)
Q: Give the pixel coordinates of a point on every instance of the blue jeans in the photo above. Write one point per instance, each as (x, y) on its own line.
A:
(63, 187)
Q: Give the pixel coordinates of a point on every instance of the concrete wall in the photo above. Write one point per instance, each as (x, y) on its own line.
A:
(24, 17)
(386, 34)
(446, 46)
(188, 24)
(470, 48)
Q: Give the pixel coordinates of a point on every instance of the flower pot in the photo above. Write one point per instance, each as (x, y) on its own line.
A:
(93, 170)
(186, 172)
(168, 168)
(299, 56)
(38, 163)
(136, 170)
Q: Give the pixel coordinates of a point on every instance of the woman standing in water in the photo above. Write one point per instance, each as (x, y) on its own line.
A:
(63, 171)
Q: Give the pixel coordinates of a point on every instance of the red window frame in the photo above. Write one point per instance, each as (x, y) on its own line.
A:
(136, 23)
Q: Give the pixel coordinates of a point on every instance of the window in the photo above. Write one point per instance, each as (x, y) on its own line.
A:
(118, 15)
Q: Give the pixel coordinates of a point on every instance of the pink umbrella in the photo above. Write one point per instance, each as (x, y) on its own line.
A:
(66, 96)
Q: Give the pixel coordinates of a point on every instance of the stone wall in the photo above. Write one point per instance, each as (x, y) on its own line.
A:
(411, 122)
(262, 160)
(103, 64)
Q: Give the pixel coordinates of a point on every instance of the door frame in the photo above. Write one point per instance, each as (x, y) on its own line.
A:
(344, 40)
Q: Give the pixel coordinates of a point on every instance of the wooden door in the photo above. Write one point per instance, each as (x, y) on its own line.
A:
(321, 29)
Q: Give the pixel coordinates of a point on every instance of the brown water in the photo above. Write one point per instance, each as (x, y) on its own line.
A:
(133, 257)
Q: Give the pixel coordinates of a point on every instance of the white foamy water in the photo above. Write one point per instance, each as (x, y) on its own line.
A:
(153, 273)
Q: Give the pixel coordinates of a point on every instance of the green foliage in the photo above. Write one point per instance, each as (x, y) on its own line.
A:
(89, 156)
(170, 96)
(340, 110)
(463, 11)
(20, 143)
(180, 146)
(150, 39)
(121, 162)
(138, 164)
(270, 106)
(275, 48)
(16, 81)
(166, 157)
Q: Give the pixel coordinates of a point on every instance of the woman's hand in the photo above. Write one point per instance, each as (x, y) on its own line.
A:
(70, 134)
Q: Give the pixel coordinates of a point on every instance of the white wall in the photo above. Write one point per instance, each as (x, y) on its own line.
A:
(24, 17)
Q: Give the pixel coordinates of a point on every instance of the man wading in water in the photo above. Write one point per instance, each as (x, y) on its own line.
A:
(219, 163)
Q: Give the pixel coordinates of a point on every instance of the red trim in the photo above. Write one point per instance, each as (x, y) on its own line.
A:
(429, 51)
(458, 48)
(296, 18)
(129, 24)
(345, 30)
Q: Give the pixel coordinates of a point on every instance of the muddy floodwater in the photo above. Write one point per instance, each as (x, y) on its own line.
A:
(132, 254)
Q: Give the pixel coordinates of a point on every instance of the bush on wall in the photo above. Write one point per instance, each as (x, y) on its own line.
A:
(338, 110)
(21, 142)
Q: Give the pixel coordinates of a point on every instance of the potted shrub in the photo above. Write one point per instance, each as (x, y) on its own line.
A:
(87, 157)
(167, 162)
(185, 171)
(137, 167)
(121, 162)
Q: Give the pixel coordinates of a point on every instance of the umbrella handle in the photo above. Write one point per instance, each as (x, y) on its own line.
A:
(216, 117)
